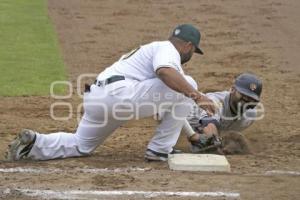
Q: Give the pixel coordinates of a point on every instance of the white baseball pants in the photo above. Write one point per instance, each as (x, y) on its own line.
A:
(108, 107)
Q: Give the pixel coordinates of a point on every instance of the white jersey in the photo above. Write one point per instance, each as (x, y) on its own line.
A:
(227, 120)
(142, 63)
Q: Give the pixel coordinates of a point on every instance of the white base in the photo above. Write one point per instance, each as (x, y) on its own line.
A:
(198, 162)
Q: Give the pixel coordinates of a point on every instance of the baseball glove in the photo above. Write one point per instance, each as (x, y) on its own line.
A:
(230, 143)
(207, 145)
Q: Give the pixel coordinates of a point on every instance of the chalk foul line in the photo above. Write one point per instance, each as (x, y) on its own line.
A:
(81, 194)
(282, 172)
(82, 170)
(115, 170)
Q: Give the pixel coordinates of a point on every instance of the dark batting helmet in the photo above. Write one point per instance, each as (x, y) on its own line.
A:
(249, 85)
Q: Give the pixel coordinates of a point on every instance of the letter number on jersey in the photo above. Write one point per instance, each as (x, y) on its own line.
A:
(127, 55)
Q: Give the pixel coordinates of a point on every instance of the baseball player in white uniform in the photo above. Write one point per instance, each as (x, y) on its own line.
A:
(144, 82)
(236, 110)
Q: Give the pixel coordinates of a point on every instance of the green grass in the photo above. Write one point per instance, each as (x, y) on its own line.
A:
(29, 55)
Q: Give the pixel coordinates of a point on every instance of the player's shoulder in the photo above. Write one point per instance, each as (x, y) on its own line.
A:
(165, 54)
(165, 48)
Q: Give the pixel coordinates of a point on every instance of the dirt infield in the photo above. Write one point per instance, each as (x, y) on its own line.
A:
(237, 36)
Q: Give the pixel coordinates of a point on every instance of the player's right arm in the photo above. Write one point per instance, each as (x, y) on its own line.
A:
(177, 82)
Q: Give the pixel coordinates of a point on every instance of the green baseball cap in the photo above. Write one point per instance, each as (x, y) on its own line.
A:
(188, 33)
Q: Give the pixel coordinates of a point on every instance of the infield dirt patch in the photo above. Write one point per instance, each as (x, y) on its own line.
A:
(237, 36)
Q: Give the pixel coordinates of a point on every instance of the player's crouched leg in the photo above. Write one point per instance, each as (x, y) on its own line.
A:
(171, 122)
(30, 145)
(35, 146)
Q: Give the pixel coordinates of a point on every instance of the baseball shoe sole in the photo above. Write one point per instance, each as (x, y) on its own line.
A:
(151, 155)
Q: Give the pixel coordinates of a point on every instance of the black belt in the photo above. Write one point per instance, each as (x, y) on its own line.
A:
(109, 80)
(104, 82)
